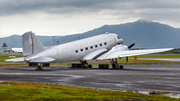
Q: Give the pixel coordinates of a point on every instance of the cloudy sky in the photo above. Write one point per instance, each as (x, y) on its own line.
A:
(65, 17)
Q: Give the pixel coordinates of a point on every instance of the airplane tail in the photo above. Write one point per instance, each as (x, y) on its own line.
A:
(31, 44)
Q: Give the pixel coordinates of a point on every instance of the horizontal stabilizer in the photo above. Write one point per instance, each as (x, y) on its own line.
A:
(15, 59)
(41, 60)
(120, 53)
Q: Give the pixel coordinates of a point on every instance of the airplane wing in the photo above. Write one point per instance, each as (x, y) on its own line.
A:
(123, 53)
(15, 59)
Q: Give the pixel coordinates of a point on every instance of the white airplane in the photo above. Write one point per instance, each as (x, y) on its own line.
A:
(17, 49)
(100, 47)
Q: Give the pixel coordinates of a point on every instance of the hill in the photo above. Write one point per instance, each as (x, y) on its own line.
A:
(145, 34)
(16, 40)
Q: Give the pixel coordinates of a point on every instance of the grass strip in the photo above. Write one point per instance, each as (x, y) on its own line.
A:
(121, 61)
(158, 56)
(45, 92)
(158, 92)
(4, 57)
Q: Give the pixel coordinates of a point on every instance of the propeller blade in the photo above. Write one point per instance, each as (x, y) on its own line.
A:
(129, 48)
(131, 45)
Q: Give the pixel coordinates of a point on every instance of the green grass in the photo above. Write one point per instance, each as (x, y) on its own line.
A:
(158, 92)
(8, 65)
(4, 57)
(49, 92)
(158, 56)
(146, 62)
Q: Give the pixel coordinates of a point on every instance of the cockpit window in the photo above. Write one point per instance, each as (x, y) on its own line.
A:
(118, 37)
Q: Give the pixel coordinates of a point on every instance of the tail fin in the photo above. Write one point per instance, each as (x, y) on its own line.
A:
(31, 44)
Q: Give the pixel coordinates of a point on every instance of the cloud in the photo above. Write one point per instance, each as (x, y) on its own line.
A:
(78, 6)
(137, 8)
(9, 7)
(69, 16)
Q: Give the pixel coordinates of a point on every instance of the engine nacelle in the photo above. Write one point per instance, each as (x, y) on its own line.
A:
(120, 41)
(119, 47)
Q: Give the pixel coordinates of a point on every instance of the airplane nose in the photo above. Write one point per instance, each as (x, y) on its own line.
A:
(120, 41)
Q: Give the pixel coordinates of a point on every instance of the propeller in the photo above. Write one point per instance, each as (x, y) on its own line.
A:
(131, 45)
(129, 48)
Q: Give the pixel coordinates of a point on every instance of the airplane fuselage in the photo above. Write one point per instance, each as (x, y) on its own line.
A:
(76, 50)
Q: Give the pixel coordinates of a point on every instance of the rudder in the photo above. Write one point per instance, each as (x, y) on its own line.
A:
(31, 44)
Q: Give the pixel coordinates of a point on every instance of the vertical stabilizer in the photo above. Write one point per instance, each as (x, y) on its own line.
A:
(31, 44)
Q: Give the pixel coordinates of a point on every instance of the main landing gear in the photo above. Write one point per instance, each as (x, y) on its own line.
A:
(115, 64)
(83, 64)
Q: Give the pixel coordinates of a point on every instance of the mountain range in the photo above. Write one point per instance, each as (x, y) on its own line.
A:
(145, 34)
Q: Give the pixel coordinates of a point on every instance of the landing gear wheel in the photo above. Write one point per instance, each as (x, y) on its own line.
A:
(115, 64)
(40, 67)
(121, 67)
(84, 64)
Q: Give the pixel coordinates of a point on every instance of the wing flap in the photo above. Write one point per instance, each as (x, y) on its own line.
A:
(93, 55)
(120, 53)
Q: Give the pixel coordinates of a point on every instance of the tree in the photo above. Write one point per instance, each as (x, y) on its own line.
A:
(4, 45)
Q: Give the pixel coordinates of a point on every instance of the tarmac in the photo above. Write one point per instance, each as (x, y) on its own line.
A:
(141, 78)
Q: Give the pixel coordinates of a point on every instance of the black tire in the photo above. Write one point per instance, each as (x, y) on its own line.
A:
(121, 67)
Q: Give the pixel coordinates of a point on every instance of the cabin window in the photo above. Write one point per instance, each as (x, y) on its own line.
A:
(91, 47)
(76, 51)
(86, 48)
(95, 45)
(81, 49)
(105, 43)
(100, 44)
